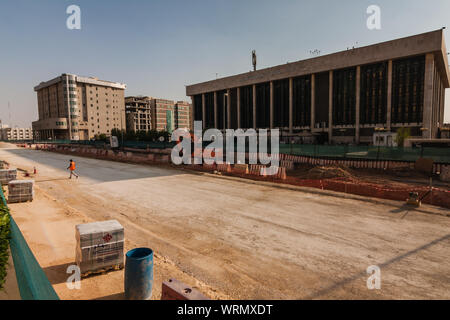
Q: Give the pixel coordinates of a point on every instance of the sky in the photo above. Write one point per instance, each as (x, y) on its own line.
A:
(157, 47)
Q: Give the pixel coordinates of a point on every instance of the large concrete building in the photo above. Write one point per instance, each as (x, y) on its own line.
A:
(343, 97)
(78, 108)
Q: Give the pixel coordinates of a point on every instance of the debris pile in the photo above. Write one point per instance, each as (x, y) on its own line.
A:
(328, 173)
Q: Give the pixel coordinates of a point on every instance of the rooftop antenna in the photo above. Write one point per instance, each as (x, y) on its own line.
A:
(254, 60)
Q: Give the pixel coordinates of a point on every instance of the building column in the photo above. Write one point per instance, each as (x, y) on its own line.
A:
(254, 106)
(271, 105)
(203, 111)
(238, 108)
(216, 115)
(228, 109)
(389, 98)
(428, 96)
(291, 106)
(358, 102)
(330, 108)
(313, 102)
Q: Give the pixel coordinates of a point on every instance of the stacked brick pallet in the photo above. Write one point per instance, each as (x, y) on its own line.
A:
(100, 246)
(7, 175)
(20, 191)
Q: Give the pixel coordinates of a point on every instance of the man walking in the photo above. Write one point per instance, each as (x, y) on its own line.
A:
(72, 168)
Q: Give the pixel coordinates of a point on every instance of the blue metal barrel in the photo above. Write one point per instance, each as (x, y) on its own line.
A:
(139, 274)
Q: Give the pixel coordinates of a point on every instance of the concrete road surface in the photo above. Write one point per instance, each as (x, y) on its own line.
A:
(254, 240)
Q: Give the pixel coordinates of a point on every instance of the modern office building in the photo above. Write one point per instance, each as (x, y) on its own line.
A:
(78, 108)
(343, 97)
(138, 113)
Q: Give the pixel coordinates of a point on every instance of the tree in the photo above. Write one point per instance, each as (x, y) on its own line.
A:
(402, 135)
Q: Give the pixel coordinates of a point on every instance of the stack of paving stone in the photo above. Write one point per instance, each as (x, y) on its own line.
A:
(100, 246)
(7, 175)
(20, 191)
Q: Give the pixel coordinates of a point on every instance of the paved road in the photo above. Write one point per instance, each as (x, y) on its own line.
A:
(252, 240)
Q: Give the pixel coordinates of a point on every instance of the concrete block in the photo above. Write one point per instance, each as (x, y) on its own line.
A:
(176, 290)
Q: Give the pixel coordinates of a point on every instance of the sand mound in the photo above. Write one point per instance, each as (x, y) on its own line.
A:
(328, 173)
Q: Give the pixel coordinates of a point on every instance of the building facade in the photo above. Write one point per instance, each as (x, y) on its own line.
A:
(163, 115)
(78, 108)
(138, 113)
(183, 115)
(147, 113)
(15, 134)
(343, 97)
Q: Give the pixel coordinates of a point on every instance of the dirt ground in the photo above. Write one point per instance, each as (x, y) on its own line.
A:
(401, 177)
(234, 238)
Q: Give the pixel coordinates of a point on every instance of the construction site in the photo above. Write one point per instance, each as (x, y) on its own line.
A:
(228, 232)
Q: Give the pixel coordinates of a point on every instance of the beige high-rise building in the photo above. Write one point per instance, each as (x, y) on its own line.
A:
(78, 108)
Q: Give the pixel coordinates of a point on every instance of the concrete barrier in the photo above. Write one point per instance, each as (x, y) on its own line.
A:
(224, 167)
(240, 168)
(176, 290)
(288, 164)
(257, 170)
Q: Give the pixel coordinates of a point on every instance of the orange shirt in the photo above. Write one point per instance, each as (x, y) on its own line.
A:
(72, 166)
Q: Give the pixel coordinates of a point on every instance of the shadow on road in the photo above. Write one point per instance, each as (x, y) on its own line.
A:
(346, 281)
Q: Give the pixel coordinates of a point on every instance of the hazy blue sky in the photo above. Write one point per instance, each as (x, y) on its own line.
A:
(157, 47)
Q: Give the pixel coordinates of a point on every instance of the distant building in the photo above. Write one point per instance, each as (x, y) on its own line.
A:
(343, 97)
(15, 134)
(147, 113)
(138, 113)
(78, 108)
(163, 115)
(183, 115)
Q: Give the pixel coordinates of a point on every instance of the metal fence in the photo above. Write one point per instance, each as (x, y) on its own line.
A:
(439, 155)
(31, 279)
